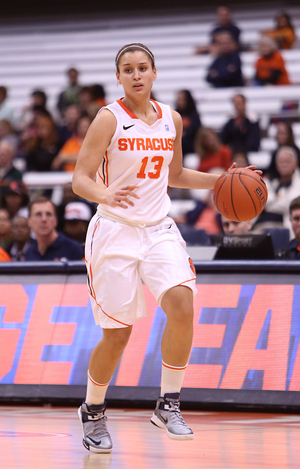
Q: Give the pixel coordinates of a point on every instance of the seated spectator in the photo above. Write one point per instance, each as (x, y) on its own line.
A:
(186, 107)
(235, 227)
(284, 137)
(4, 256)
(76, 221)
(270, 66)
(211, 151)
(8, 133)
(225, 71)
(224, 24)
(6, 111)
(240, 132)
(281, 191)
(38, 101)
(240, 158)
(67, 156)
(5, 229)
(67, 128)
(292, 250)
(98, 100)
(15, 197)
(71, 94)
(8, 172)
(20, 238)
(69, 196)
(283, 33)
(41, 150)
(49, 245)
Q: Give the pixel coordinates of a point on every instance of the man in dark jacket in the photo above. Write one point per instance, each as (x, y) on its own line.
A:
(292, 250)
(225, 71)
(49, 245)
(240, 133)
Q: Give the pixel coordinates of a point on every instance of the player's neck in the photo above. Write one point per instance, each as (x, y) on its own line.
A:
(142, 109)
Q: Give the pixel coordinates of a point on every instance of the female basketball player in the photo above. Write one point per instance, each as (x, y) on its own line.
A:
(131, 153)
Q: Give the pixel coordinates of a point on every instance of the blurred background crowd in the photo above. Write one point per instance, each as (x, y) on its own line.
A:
(39, 141)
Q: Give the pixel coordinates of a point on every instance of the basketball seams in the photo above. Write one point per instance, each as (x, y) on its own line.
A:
(218, 191)
(262, 184)
(231, 195)
(247, 190)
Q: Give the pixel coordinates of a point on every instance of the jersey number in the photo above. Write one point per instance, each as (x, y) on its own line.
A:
(158, 160)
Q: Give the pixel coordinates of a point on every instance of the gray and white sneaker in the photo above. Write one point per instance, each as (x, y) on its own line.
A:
(93, 421)
(167, 415)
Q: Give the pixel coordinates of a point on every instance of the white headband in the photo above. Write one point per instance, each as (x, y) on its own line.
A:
(122, 51)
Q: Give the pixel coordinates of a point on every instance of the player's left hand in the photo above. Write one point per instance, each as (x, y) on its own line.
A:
(252, 167)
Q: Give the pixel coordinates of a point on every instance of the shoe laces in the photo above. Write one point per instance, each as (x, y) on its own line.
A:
(175, 414)
(98, 423)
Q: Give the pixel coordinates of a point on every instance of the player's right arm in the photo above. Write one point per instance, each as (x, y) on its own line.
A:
(89, 159)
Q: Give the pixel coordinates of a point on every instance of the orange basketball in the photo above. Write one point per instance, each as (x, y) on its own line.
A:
(240, 194)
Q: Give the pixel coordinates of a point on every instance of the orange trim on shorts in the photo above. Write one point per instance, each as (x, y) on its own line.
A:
(187, 281)
(177, 368)
(93, 294)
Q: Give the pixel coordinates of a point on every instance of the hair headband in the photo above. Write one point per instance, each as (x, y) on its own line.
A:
(122, 51)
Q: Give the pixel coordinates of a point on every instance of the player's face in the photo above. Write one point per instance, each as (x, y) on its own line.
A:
(136, 73)
(295, 221)
(42, 219)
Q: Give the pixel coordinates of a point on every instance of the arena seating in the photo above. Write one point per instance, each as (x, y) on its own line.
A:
(37, 55)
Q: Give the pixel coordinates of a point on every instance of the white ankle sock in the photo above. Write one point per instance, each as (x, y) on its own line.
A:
(95, 393)
(171, 378)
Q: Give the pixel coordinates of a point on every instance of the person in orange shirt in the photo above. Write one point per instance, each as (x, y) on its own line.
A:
(66, 158)
(283, 33)
(270, 67)
(4, 257)
(211, 151)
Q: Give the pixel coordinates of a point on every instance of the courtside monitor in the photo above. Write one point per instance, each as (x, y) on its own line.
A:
(249, 246)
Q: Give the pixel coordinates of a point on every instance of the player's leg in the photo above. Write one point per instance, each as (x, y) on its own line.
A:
(104, 360)
(176, 344)
(169, 273)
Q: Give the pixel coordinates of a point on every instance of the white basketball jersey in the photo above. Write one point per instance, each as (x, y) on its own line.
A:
(139, 154)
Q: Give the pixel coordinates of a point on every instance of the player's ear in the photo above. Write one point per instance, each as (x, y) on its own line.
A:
(154, 73)
(118, 78)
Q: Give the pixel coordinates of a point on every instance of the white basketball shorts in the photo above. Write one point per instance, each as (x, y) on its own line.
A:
(119, 257)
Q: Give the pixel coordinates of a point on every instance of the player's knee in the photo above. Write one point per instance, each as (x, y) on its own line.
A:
(117, 338)
(178, 305)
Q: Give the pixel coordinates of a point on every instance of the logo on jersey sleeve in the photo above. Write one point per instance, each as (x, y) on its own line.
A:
(167, 127)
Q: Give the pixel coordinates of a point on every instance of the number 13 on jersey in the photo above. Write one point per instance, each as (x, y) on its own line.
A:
(158, 162)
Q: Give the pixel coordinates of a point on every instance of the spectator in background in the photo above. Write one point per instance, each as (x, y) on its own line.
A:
(67, 128)
(226, 70)
(235, 227)
(284, 137)
(270, 66)
(4, 256)
(281, 191)
(186, 107)
(15, 197)
(212, 153)
(283, 33)
(5, 229)
(292, 250)
(71, 94)
(49, 245)
(38, 102)
(41, 150)
(20, 238)
(69, 196)
(8, 133)
(8, 172)
(91, 99)
(67, 156)
(6, 111)
(224, 24)
(240, 158)
(76, 220)
(240, 132)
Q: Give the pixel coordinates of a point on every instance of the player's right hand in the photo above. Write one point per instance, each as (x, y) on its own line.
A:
(122, 197)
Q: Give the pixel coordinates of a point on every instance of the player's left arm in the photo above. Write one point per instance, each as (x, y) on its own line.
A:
(184, 177)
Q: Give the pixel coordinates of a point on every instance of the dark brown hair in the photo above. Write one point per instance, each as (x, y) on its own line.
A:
(132, 48)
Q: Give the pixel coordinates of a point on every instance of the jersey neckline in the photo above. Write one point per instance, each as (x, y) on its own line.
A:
(133, 116)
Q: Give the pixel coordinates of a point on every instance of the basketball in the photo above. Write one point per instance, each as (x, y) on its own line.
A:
(240, 194)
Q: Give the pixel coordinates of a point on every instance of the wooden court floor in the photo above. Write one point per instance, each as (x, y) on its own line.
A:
(50, 438)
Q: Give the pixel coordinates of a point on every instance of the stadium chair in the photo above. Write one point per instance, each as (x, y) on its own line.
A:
(280, 237)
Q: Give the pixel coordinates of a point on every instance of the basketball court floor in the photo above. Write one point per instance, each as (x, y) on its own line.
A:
(50, 438)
